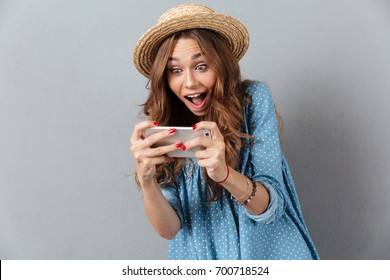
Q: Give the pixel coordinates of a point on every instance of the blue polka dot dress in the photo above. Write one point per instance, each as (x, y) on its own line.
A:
(225, 231)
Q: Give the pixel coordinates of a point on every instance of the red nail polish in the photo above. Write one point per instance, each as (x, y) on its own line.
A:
(184, 148)
(156, 124)
(178, 145)
(195, 126)
(172, 130)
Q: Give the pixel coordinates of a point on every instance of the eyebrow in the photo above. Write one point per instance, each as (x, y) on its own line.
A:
(195, 56)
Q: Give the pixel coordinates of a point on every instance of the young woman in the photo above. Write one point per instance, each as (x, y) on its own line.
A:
(235, 199)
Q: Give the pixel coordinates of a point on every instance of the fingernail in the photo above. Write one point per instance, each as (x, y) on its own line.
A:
(178, 145)
(156, 124)
(195, 126)
(172, 130)
(184, 148)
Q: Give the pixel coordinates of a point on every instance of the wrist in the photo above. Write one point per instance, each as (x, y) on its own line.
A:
(226, 177)
(146, 182)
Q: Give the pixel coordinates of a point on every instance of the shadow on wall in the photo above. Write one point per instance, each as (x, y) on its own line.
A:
(333, 154)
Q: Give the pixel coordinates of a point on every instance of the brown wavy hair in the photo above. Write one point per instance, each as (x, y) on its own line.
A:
(225, 109)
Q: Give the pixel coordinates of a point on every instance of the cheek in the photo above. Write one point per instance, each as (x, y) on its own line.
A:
(211, 81)
(174, 85)
(171, 83)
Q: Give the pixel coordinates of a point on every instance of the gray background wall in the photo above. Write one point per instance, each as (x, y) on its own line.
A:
(68, 103)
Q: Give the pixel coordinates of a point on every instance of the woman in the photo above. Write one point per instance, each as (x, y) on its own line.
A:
(236, 198)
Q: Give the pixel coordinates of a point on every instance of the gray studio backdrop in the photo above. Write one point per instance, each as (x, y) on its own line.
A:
(69, 98)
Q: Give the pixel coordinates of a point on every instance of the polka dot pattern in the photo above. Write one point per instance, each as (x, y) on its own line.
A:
(226, 231)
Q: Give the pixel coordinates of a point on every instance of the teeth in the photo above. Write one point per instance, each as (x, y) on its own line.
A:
(194, 95)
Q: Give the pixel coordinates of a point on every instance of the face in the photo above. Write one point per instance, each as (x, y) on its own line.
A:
(190, 77)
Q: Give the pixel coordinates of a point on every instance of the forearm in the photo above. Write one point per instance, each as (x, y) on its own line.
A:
(242, 189)
(159, 212)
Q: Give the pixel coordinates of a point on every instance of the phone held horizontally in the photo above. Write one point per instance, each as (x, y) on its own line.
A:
(182, 135)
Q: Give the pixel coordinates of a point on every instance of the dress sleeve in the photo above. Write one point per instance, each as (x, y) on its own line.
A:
(265, 154)
(171, 194)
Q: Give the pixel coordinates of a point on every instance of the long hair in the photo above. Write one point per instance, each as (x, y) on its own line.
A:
(225, 108)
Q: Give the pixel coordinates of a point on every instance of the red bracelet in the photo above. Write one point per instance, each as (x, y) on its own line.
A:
(227, 176)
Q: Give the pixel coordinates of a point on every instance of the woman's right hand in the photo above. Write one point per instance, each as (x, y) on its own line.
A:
(146, 157)
(160, 213)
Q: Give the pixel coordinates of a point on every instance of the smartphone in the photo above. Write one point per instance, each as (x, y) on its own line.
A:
(182, 135)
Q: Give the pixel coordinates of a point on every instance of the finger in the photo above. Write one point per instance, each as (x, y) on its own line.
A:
(162, 150)
(149, 156)
(158, 137)
(211, 157)
(153, 161)
(212, 126)
(203, 154)
(213, 144)
(210, 164)
(138, 130)
(198, 142)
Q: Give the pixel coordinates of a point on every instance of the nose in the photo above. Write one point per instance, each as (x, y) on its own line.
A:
(190, 81)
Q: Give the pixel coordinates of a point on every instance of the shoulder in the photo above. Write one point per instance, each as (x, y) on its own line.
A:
(259, 94)
(252, 87)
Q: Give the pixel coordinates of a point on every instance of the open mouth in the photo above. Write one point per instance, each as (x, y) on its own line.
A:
(197, 99)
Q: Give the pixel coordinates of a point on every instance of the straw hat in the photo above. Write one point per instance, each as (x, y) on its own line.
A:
(183, 17)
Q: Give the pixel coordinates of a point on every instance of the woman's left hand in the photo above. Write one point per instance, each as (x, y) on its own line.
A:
(213, 157)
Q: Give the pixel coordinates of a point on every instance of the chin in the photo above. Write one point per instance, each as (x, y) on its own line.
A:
(199, 114)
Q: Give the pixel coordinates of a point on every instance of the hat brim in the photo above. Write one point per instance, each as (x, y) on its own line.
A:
(147, 46)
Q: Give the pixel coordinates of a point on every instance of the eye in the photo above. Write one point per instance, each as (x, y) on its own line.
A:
(201, 67)
(175, 71)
